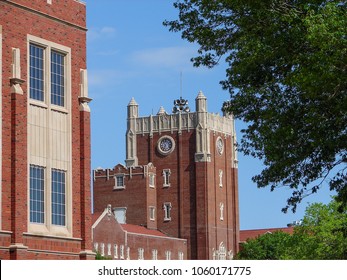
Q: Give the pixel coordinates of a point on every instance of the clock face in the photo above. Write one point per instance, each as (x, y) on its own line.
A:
(220, 145)
(166, 145)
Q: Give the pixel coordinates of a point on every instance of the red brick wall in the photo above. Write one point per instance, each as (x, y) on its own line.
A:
(133, 197)
(108, 231)
(62, 22)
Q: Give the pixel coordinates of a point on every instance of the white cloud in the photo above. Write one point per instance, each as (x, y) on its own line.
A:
(169, 57)
(95, 33)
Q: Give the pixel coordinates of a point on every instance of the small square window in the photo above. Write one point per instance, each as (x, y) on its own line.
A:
(119, 182)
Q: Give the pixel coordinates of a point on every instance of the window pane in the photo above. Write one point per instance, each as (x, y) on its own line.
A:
(57, 79)
(36, 72)
(58, 197)
(37, 189)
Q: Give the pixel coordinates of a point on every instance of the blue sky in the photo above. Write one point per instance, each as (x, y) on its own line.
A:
(131, 54)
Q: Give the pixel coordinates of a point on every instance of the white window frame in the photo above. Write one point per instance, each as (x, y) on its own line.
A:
(180, 255)
(141, 252)
(117, 210)
(154, 254)
(168, 255)
(48, 48)
(121, 253)
(109, 253)
(151, 177)
(116, 186)
(166, 176)
(48, 228)
(102, 249)
(152, 213)
(167, 211)
(115, 251)
(221, 208)
(220, 178)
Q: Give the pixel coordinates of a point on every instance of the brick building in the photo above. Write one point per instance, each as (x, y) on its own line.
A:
(180, 178)
(44, 131)
(133, 242)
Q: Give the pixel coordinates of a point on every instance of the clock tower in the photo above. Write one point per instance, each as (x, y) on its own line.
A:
(196, 174)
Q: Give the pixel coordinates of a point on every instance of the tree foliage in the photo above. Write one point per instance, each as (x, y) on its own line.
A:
(286, 77)
(270, 246)
(321, 236)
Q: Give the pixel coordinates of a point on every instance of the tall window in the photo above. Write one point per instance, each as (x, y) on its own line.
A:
(167, 211)
(36, 72)
(57, 78)
(154, 254)
(166, 175)
(151, 180)
(220, 178)
(122, 252)
(37, 194)
(115, 251)
(168, 255)
(152, 213)
(141, 253)
(58, 197)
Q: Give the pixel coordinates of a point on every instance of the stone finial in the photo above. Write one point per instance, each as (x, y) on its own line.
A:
(83, 98)
(200, 102)
(161, 111)
(16, 80)
(133, 102)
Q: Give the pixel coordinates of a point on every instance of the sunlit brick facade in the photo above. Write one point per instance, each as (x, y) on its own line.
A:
(195, 179)
(45, 131)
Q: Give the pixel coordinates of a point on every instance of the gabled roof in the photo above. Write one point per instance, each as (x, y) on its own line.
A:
(141, 230)
(254, 233)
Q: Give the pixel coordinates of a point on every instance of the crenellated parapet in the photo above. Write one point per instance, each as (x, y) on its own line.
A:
(181, 120)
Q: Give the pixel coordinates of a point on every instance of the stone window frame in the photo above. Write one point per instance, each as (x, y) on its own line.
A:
(48, 48)
(168, 255)
(167, 206)
(154, 254)
(152, 213)
(141, 253)
(166, 175)
(117, 185)
(221, 178)
(48, 228)
(151, 179)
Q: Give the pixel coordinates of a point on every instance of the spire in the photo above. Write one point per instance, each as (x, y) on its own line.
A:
(133, 111)
(132, 102)
(200, 102)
